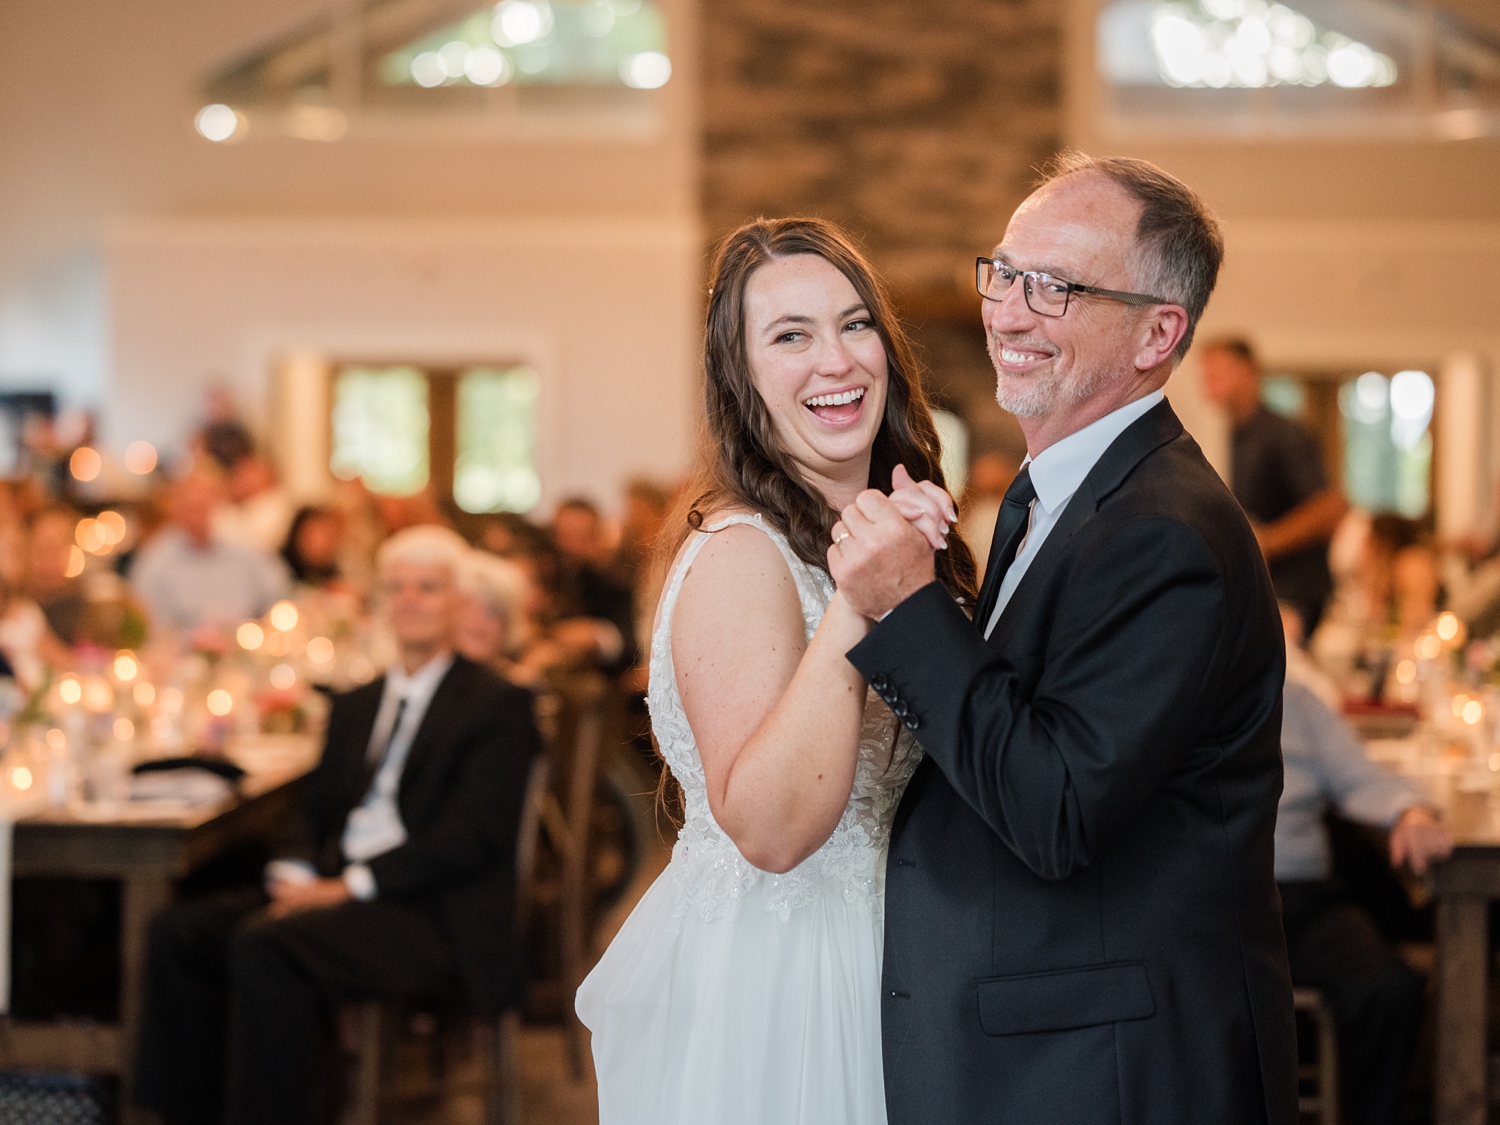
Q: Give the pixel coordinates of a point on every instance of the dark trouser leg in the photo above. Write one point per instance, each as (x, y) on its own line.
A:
(1375, 997)
(286, 977)
(278, 1036)
(180, 1062)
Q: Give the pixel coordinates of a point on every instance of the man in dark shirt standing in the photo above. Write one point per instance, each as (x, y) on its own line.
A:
(1276, 473)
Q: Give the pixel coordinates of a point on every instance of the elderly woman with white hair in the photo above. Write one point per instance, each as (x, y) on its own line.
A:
(396, 881)
(494, 628)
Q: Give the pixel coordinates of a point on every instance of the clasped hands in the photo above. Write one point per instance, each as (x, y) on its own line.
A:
(292, 896)
(884, 547)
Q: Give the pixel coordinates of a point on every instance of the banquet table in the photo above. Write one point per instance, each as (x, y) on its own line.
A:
(1463, 887)
(146, 846)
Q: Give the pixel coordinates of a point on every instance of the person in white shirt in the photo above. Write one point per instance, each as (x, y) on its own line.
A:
(258, 511)
(188, 576)
(396, 880)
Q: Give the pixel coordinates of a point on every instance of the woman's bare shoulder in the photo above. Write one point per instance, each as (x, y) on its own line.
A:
(739, 571)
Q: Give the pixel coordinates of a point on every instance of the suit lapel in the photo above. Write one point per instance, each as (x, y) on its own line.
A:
(1146, 434)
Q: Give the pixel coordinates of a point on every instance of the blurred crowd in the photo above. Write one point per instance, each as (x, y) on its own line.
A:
(184, 568)
(151, 611)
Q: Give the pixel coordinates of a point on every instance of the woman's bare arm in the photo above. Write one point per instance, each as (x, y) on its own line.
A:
(777, 719)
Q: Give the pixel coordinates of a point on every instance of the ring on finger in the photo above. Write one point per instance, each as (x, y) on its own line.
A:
(842, 537)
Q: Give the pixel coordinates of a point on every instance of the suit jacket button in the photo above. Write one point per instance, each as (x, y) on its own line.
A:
(912, 722)
(880, 683)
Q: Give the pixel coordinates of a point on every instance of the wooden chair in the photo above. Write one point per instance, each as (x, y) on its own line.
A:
(588, 717)
(377, 1030)
(1322, 1075)
(552, 877)
(376, 1086)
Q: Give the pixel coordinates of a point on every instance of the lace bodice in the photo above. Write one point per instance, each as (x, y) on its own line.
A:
(709, 868)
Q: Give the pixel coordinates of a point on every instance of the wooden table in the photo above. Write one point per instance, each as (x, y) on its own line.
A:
(146, 856)
(1464, 887)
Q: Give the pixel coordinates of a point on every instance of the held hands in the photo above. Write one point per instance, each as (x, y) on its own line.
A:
(1419, 840)
(884, 546)
(291, 897)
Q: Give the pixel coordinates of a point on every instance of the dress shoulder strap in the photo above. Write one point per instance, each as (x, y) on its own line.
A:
(814, 588)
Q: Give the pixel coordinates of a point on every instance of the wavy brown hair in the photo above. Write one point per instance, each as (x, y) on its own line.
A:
(743, 463)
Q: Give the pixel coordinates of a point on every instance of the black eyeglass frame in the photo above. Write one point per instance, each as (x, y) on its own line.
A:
(1027, 276)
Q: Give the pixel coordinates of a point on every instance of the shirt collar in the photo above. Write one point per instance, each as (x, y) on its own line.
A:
(1058, 470)
(420, 684)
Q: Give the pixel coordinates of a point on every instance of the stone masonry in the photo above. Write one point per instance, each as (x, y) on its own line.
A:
(917, 125)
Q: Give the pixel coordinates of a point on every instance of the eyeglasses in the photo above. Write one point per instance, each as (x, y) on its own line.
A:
(1045, 295)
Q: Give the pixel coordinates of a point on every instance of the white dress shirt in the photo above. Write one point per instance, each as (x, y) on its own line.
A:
(1056, 473)
(374, 825)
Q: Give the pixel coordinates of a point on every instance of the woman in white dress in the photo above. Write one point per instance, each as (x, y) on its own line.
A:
(744, 989)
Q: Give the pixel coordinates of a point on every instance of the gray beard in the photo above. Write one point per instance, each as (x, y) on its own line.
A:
(1035, 397)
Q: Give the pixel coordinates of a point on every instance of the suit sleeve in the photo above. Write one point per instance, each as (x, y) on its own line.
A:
(475, 830)
(1058, 772)
(306, 829)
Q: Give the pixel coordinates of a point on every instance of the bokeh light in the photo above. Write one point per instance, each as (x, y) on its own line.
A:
(85, 464)
(283, 616)
(219, 123)
(140, 457)
(647, 70)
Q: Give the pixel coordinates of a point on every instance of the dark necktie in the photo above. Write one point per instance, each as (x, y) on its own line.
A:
(1010, 529)
(374, 761)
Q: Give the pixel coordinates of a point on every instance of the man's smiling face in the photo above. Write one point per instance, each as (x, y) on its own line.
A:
(1080, 229)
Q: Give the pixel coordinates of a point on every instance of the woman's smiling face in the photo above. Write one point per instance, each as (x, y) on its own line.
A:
(820, 368)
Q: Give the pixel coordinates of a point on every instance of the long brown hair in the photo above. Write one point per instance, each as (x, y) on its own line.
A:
(743, 464)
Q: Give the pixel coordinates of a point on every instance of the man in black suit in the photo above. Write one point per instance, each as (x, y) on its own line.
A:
(1081, 919)
(397, 880)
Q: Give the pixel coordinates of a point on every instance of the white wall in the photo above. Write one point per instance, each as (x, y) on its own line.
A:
(604, 309)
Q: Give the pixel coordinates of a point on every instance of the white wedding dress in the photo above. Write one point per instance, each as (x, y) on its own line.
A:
(733, 996)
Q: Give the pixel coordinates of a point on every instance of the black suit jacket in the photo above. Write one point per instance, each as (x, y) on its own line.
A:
(1081, 920)
(461, 795)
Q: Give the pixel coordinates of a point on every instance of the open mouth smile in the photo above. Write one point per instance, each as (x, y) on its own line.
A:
(838, 408)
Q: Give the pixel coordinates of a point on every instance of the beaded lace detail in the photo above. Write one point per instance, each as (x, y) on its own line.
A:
(709, 870)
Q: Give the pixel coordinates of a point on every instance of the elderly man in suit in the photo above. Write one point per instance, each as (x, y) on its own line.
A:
(1089, 842)
(396, 880)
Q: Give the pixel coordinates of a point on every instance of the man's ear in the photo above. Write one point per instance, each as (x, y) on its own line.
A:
(1160, 331)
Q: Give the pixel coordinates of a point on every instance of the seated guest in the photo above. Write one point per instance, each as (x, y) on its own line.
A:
(312, 546)
(187, 577)
(398, 881)
(492, 628)
(1333, 943)
(587, 591)
(29, 647)
(51, 552)
(256, 511)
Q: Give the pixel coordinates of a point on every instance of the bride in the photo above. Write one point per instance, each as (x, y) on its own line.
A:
(744, 989)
